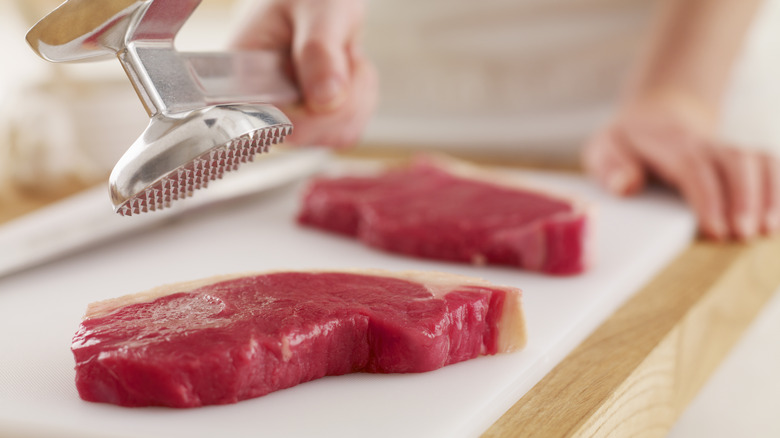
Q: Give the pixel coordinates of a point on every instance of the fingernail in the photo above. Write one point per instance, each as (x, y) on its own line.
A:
(618, 182)
(718, 229)
(746, 227)
(773, 221)
(327, 94)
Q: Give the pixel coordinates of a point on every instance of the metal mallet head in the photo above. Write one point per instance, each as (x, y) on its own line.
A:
(208, 112)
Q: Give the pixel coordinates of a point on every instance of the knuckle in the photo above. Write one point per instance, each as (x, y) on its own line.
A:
(736, 158)
(314, 49)
(692, 162)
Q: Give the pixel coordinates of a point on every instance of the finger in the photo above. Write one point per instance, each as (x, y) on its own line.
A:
(771, 190)
(322, 34)
(608, 160)
(363, 101)
(265, 26)
(742, 182)
(697, 179)
(690, 168)
(344, 127)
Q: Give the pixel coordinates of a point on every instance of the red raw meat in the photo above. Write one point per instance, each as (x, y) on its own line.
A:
(227, 339)
(442, 209)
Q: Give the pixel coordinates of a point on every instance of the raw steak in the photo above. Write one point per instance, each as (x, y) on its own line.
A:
(447, 210)
(232, 338)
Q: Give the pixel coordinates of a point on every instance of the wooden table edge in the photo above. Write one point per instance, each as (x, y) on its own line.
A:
(637, 372)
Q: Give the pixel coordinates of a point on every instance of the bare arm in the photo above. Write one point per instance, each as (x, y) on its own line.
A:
(690, 54)
(668, 116)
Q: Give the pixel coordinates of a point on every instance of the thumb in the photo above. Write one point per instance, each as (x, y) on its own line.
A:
(607, 158)
(321, 39)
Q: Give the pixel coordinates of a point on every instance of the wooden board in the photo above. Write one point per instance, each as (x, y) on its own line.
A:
(640, 369)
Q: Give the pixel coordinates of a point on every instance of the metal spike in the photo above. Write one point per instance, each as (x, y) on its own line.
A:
(212, 165)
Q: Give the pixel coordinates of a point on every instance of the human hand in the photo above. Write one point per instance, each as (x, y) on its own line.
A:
(734, 192)
(338, 84)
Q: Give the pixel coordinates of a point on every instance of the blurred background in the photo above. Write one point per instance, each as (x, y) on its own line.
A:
(535, 77)
(499, 78)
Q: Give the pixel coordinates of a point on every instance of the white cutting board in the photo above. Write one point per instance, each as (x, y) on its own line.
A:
(40, 310)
